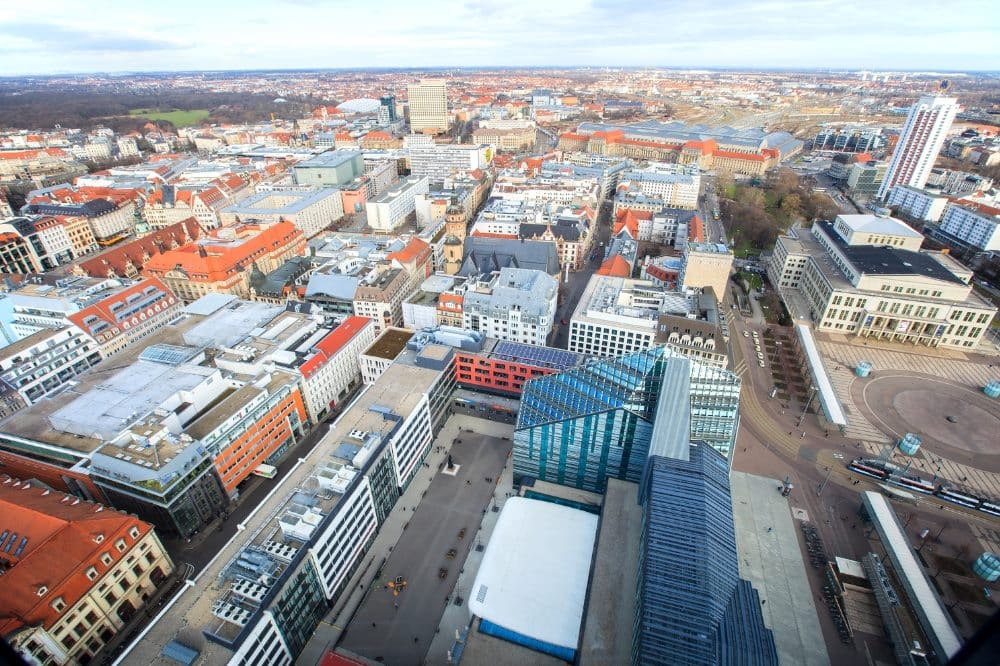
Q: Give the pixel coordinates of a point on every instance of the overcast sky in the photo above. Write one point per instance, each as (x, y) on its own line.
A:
(54, 36)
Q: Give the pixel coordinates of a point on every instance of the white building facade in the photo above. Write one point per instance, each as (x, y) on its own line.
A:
(923, 135)
(916, 203)
(390, 209)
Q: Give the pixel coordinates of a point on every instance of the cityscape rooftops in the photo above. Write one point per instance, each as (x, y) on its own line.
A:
(286, 202)
(231, 592)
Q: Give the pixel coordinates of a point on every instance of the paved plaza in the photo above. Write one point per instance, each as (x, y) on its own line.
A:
(442, 528)
(916, 391)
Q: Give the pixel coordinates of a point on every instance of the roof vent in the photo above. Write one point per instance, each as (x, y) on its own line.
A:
(42, 591)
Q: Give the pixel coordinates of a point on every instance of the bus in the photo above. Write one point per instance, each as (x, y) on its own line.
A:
(266, 471)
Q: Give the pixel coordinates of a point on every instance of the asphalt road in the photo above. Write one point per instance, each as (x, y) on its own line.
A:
(397, 630)
(569, 292)
(708, 201)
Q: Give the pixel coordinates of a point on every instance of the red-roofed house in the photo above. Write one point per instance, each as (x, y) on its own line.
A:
(130, 315)
(325, 111)
(450, 309)
(222, 262)
(379, 140)
(416, 259)
(331, 370)
(615, 266)
(634, 223)
(74, 572)
(127, 259)
(696, 229)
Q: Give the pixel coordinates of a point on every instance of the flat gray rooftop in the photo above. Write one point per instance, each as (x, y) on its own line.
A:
(607, 628)
(772, 561)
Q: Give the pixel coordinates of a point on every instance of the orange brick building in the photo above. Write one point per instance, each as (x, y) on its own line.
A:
(222, 261)
(73, 572)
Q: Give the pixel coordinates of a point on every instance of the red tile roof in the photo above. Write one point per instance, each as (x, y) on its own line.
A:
(629, 219)
(615, 266)
(30, 154)
(115, 261)
(102, 308)
(696, 230)
(62, 534)
(221, 262)
(416, 253)
(660, 273)
(332, 343)
(447, 300)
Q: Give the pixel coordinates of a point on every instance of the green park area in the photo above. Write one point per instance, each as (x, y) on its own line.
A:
(177, 117)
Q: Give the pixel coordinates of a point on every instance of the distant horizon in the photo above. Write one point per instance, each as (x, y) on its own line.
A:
(63, 38)
(474, 68)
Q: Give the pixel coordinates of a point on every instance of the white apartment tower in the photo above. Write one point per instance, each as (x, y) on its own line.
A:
(923, 135)
(428, 106)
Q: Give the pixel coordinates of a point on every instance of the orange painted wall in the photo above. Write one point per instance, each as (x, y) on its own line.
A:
(258, 442)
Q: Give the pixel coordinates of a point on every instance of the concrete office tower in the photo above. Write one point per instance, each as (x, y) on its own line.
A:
(428, 107)
(923, 135)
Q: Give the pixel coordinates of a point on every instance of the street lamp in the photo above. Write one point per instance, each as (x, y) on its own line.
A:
(808, 402)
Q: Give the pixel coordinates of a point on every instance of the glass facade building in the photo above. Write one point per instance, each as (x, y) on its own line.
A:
(692, 607)
(583, 425)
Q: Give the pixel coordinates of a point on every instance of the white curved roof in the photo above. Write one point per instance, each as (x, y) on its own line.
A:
(533, 577)
(360, 105)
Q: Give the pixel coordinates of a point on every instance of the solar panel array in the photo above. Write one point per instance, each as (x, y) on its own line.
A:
(547, 357)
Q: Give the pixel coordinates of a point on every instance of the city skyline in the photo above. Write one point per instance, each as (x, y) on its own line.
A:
(806, 35)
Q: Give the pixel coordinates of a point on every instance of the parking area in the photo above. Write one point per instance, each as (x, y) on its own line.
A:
(403, 606)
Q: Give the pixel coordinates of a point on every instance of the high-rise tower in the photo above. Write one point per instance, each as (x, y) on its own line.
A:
(428, 106)
(923, 135)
